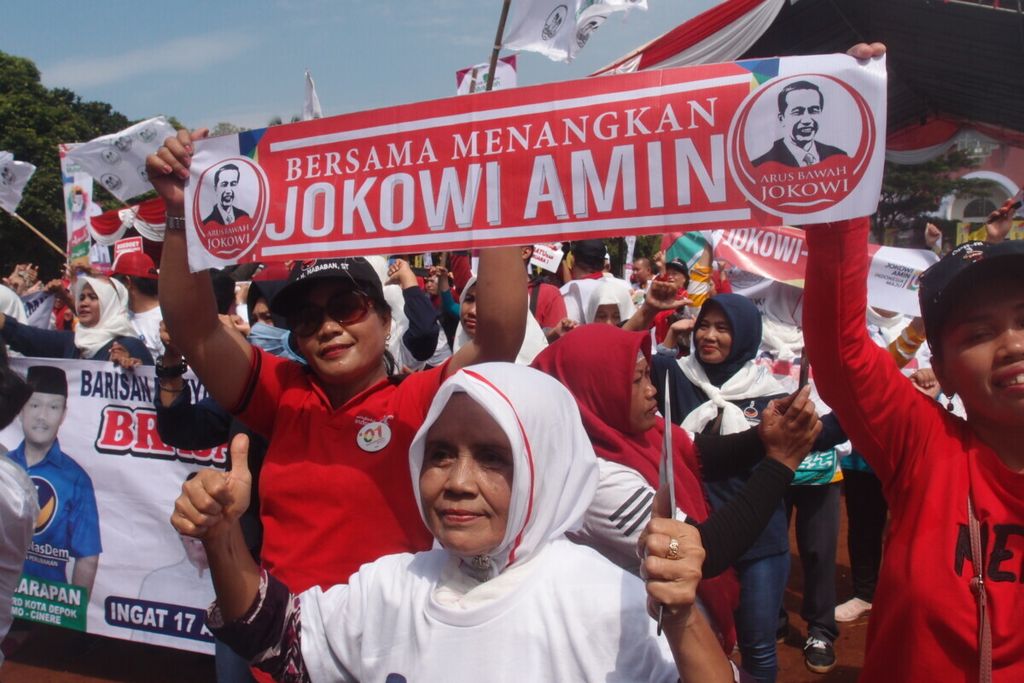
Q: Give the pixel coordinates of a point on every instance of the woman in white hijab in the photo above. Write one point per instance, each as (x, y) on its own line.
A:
(609, 304)
(533, 342)
(504, 469)
(103, 332)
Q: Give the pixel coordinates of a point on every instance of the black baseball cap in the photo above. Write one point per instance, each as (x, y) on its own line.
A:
(305, 274)
(590, 253)
(678, 264)
(954, 272)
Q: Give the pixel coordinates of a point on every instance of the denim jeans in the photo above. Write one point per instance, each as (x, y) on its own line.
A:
(762, 585)
(231, 667)
(817, 533)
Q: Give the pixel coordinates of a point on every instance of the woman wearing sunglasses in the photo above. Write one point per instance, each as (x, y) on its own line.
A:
(335, 489)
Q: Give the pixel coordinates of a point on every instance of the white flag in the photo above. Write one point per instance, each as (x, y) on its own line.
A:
(14, 177)
(474, 79)
(311, 107)
(118, 160)
(558, 29)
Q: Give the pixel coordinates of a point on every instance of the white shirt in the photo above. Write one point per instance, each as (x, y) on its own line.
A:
(147, 325)
(577, 617)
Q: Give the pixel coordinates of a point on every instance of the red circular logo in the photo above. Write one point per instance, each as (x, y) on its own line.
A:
(791, 158)
(230, 207)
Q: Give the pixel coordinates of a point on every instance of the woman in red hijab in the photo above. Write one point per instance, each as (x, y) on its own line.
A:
(608, 372)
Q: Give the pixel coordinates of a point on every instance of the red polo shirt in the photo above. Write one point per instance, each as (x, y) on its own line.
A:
(335, 490)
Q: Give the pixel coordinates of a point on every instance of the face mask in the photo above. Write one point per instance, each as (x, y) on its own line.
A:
(274, 340)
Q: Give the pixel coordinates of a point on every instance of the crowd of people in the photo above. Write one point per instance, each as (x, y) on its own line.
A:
(462, 468)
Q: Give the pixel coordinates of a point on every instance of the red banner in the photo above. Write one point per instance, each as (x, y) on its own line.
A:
(640, 153)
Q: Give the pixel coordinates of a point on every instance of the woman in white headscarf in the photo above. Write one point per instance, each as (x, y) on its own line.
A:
(533, 342)
(103, 332)
(504, 469)
(609, 304)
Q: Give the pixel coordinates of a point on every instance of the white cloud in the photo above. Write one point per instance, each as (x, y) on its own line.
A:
(181, 54)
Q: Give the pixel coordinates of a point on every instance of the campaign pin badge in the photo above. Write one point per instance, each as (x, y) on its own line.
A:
(374, 437)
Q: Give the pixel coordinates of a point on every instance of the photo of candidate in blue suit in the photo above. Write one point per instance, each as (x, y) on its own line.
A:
(67, 531)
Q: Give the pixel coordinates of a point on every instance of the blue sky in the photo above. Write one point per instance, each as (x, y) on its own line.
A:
(243, 62)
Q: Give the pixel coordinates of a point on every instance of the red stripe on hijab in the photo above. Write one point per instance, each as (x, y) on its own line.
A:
(529, 459)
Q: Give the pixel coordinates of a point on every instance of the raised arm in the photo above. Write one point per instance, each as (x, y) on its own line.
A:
(208, 508)
(877, 406)
(221, 359)
(501, 305)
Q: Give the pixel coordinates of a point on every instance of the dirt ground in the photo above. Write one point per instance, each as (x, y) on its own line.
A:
(44, 654)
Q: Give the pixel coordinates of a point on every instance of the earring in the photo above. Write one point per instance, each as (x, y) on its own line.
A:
(949, 403)
(387, 338)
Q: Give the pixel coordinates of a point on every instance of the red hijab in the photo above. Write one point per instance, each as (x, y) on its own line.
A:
(596, 363)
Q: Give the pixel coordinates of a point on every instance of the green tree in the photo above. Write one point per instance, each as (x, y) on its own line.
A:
(910, 192)
(226, 128)
(33, 121)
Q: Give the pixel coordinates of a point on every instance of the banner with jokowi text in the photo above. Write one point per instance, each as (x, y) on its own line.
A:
(780, 254)
(762, 142)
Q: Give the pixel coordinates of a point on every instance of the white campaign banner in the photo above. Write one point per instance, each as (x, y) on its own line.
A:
(150, 584)
(558, 29)
(14, 176)
(118, 160)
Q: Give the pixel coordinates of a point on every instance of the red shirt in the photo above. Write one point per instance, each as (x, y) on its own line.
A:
(924, 623)
(335, 491)
(550, 305)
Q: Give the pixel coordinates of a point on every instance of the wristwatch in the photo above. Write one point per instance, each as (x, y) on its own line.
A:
(170, 371)
(174, 222)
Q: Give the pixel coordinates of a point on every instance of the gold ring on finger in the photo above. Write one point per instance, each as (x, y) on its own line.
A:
(673, 549)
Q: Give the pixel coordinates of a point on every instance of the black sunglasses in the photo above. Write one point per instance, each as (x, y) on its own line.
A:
(346, 308)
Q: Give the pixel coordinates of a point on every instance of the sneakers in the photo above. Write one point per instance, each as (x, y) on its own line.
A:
(819, 655)
(852, 610)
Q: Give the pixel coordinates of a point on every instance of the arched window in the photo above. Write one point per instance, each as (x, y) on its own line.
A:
(979, 209)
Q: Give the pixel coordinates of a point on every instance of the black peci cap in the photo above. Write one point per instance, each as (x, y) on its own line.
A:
(47, 379)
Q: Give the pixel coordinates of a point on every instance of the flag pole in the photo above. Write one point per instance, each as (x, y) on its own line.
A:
(497, 45)
(40, 235)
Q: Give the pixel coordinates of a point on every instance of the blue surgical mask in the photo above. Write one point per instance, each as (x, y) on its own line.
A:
(274, 340)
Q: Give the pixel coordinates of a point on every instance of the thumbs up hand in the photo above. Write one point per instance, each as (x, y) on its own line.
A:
(212, 501)
(671, 557)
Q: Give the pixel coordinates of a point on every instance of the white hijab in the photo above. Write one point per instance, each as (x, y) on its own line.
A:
(113, 322)
(781, 320)
(533, 342)
(750, 382)
(885, 329)
(607, 292)
(392, 295)
(554, 466)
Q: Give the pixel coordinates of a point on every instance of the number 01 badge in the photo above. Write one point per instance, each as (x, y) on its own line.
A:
(374, 437)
